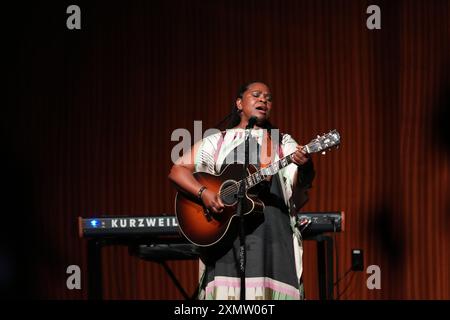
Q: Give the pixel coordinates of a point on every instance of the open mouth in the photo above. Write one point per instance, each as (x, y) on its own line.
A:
(261, 109)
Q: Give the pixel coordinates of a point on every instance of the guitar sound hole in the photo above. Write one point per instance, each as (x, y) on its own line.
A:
(228, 192)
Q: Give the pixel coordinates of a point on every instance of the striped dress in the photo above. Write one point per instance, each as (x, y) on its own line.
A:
(273, 245)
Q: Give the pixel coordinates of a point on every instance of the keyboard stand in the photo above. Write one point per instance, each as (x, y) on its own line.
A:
(163, 252)
(160, 253)
(325, 266)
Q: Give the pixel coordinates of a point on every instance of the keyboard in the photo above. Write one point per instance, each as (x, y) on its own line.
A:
(309, 223)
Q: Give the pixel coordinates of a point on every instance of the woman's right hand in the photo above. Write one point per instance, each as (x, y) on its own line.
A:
(212, 201)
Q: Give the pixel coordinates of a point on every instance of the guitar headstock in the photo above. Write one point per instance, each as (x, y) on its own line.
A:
(324, 142)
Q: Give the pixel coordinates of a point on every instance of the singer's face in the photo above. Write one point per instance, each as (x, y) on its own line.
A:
(255, 102)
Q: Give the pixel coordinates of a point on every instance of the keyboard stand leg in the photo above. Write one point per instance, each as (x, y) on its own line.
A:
(325, 266)
(174, 279)
(321, 268)
(330, 265)
(94, 266)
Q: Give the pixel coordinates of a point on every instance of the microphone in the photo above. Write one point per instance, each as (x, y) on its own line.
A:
(251, 122)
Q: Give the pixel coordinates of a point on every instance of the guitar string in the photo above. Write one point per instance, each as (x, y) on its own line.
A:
(229, 190)
(234, 188)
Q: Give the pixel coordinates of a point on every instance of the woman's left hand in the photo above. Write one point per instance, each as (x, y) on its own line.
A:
(300, 157)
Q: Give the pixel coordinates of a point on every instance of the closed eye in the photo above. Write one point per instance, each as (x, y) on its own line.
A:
(268, 96)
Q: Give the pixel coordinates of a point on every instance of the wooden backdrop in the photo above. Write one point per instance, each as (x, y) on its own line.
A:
(87, 130)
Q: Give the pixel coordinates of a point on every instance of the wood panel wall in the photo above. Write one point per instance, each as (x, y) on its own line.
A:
(89, 129)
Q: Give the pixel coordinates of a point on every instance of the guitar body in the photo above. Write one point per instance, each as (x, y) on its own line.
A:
(207, 229)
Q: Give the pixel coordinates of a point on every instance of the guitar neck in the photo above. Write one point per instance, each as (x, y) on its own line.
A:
(260, 175)
(320, 144)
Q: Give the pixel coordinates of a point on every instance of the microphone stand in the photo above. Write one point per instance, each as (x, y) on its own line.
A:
(240, 197)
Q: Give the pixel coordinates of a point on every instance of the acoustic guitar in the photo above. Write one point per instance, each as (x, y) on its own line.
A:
(204, 228)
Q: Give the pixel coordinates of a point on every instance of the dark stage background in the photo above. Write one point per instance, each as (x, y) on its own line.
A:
(86, 130)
